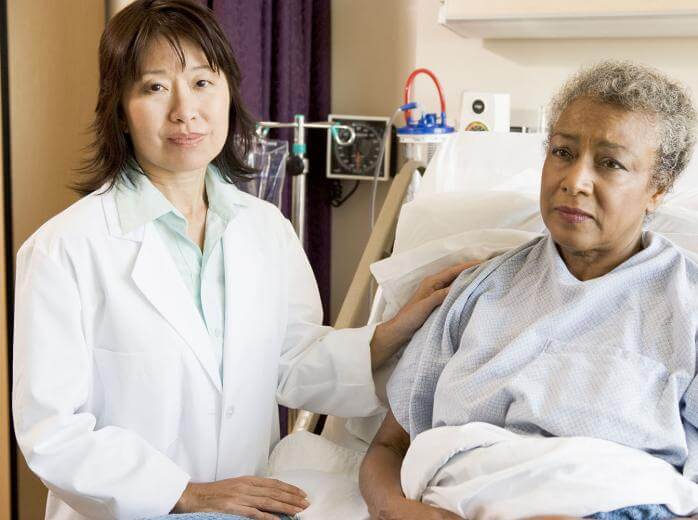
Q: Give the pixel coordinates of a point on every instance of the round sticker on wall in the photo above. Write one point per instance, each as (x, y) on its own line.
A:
(476, 126)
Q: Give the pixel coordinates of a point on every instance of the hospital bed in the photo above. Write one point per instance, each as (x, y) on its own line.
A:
(477, 198)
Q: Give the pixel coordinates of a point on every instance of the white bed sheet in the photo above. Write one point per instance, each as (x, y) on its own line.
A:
(483, 472)
(326, 471)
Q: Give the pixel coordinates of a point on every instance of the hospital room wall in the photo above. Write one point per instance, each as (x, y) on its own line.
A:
(53, 81)
(532, 70)
(377, 44)
(373, 48)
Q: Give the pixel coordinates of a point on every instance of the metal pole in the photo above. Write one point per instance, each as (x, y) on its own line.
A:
(298, 188)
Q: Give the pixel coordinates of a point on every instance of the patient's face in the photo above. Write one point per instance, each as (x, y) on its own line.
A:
(599, 162)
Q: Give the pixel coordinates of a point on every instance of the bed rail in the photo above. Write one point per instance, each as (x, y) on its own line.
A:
(379, 244)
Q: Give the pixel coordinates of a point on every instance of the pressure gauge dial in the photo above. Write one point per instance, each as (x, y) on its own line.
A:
(359, 159)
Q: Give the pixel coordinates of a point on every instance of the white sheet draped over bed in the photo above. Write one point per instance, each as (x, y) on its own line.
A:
(483, 472)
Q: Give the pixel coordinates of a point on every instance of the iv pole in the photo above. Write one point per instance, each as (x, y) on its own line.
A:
(297, 165)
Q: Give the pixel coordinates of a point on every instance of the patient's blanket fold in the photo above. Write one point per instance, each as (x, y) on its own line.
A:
(483, 472)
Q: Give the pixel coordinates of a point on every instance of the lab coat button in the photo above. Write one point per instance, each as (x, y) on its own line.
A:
(229, 411)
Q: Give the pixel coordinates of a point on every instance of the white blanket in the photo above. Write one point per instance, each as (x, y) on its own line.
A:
(483, 472)
(327, 472)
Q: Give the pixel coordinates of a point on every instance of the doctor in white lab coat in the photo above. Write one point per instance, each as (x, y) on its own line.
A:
(129, 400)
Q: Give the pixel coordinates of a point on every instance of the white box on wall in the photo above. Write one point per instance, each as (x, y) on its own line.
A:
(485, 111)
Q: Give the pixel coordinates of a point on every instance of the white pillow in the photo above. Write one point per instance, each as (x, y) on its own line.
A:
(440, 215)
(400, 274)
(675, 217)
(481, 161)
(687, 199)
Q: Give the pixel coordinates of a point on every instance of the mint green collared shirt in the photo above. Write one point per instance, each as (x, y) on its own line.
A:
(202, 271)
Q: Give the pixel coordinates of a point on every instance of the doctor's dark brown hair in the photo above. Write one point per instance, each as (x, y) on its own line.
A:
(121, 49)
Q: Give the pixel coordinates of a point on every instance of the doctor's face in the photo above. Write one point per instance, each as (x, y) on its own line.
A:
(176, 115)
(597, 177)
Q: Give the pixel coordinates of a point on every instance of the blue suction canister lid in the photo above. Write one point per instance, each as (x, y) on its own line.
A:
(427, 125)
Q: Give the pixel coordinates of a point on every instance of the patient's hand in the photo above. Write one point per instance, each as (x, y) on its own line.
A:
(251, 497)
(393, 334)
(379, 478)
(405, 509)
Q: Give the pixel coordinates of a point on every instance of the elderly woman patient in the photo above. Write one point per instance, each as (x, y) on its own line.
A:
(560, 378)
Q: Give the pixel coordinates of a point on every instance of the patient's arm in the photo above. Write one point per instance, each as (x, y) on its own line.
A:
(379, 478)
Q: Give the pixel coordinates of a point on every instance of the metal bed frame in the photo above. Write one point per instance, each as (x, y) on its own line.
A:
(379, 246)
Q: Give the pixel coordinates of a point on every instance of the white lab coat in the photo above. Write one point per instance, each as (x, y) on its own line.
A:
(117, 396)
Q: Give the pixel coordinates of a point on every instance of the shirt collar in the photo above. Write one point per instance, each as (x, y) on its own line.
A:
(138, 201)
(221, 200)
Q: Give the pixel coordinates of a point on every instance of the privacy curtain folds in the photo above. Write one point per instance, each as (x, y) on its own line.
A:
(283, 50)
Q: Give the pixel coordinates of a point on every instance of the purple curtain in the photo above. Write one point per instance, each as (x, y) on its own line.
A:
(283, 49)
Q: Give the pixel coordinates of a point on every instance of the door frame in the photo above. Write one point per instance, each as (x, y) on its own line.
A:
(7, 446)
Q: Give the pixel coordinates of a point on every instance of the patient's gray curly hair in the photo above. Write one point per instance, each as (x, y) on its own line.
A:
(639, 88)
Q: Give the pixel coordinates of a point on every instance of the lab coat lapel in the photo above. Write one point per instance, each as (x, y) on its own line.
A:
(243, 326)
(156, 276)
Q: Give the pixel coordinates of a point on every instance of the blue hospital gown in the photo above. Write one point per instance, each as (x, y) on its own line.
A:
(522, 344)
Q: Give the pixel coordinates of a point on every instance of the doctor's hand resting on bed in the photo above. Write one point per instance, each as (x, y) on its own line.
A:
(245, 496)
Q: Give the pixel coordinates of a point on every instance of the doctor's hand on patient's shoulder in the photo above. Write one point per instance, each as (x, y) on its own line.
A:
(251, 497)
(391, 335)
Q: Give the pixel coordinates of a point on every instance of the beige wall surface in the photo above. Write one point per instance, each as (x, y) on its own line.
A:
(376, 44)
(373, 49)
(487, 8)
(532, 70)
(53, 90)
(114, 6)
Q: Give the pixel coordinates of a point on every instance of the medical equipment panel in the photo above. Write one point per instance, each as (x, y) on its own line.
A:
(422, 137)
(485, 111)
(358, 161)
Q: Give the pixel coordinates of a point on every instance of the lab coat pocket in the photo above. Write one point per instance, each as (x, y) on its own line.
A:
(141, 393)
(600, 391)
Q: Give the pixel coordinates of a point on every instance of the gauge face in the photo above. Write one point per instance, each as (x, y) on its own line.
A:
(359, 158)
